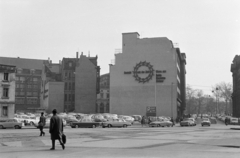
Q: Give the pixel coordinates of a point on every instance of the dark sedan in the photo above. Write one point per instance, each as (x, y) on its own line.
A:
(87, 123)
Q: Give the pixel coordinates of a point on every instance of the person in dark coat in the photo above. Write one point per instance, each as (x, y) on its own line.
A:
(56, 129)
(41, 124)
(143, 121)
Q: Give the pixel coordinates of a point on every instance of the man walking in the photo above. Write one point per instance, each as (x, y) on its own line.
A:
(56, 129)
(41, 124)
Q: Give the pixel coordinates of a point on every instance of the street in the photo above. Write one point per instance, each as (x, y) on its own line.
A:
(217, 140)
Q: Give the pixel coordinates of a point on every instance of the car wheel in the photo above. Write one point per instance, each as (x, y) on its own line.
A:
(93, 126)
(109, 126)
(1, 127)
(16, 127)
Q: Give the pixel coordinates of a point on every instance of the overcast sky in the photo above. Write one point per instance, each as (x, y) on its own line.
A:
(208, 31)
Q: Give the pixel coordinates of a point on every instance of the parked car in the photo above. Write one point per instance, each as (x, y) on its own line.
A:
(194, 121)
(187, 122)
(233, 121)
(85, 122)
(206, 122)
(10, 123)
(127, 118)
(162, 123)
(116, 123)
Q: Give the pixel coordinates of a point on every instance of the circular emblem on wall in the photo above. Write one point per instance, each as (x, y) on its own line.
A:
(143, 72)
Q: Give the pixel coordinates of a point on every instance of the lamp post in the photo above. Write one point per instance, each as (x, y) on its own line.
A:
(216, 93)
(171, 99)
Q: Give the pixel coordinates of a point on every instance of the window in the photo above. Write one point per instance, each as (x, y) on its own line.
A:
(70, 86)
(66, 74)
(101, 95)
(65, 85)
(29, 93)
(70, 64)
(35, 94)
(107, 95)
(65, 97)
(73, 97)
(5, 77)
(73, 85)
(5, 111)
(5, 92)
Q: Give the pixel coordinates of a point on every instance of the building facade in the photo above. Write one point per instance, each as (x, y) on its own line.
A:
(148, 78)
(7, 91)
(102, 105)
(28, 82)
(235, 69)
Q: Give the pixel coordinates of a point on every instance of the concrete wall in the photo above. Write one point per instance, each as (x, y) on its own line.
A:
(128, 96)
(85, 86)
(56, 96)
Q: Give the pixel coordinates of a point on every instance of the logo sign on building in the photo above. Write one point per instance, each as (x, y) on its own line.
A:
(143, 72)
(151, 111)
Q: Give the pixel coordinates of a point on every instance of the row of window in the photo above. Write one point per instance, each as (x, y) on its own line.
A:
(69, 97)
(22, 93)
(69, 86)
(36, 86)
(22, 78)
(28, 101)
(102, 95)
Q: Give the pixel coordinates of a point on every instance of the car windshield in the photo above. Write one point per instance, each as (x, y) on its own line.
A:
(205, 120)
(186, 119)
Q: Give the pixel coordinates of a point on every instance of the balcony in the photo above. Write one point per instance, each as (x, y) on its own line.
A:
(5, 83)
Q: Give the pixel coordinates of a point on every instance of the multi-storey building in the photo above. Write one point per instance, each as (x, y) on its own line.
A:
(148, 78)
(7, 91)
(235, 69)
(103, 97)
(81, 83)
(28, 82)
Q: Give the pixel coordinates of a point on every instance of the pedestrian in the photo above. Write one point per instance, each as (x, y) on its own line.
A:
(226, 121)
(41, 124)
(143, 121)
(56, 129)
(172, 121)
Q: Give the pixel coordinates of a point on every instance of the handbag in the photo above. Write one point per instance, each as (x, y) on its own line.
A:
(64, 138)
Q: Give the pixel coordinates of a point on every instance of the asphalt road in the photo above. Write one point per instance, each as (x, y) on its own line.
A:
(136, 141)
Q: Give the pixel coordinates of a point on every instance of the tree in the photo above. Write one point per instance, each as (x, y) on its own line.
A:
(225, 93)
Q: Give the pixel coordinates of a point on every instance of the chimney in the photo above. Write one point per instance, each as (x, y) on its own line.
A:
(76, 54)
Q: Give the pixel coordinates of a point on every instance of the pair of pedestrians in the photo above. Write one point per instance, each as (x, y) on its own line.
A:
(55, 129)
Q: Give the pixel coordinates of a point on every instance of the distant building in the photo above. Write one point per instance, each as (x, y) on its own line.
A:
(148, 78)
(235, 69)
(7, 91)
(104, 95)
(28, 82)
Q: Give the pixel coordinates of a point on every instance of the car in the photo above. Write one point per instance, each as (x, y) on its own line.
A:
(187, 122)
(126, 118)
(10, 123)
(194, 121)
(116, 123)
(161, 123)
(85, 122)
(233, 121)
(206, 121)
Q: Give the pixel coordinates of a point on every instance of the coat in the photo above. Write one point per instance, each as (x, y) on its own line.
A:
(56, 127)
(42, 121)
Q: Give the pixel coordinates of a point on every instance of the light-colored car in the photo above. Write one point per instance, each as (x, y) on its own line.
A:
(10, 123)
(126, 118)
(206, 122)
(116, 123)
(161, 123)
(233, 121)
(187, 122)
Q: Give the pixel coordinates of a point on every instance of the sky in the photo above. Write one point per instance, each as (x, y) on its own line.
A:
(208, 31)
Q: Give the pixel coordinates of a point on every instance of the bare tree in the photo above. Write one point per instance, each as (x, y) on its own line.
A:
(225, 93)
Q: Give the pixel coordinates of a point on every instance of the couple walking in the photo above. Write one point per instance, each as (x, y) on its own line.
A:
(55, 128)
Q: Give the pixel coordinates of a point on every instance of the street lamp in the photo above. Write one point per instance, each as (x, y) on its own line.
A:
(216, 92)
